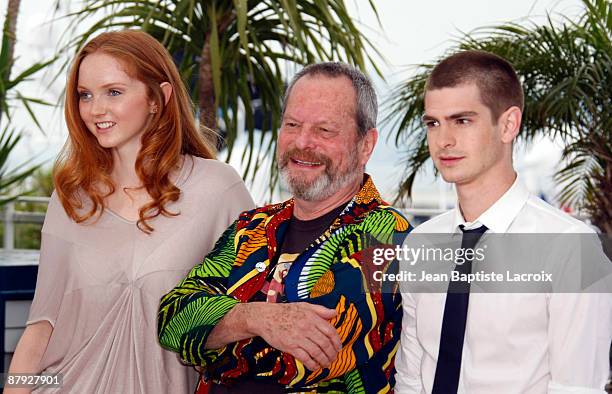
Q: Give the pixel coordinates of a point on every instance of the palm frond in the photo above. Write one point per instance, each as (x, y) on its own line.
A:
(252, 46)
(11, 177)
(566, 72)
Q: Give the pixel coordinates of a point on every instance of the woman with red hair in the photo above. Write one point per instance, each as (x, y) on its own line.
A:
(139, 200)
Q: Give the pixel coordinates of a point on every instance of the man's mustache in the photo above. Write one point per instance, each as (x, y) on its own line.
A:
(303, 155)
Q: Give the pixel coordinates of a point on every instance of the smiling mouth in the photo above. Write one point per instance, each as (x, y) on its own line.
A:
(105, 125)
(306, 163)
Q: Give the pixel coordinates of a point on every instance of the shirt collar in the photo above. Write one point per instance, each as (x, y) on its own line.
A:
(501, 214)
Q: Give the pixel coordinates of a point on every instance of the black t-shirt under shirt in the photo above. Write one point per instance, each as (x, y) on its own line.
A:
(301, 233)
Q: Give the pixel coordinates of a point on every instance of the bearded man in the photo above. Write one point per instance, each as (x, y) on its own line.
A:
(286, 301)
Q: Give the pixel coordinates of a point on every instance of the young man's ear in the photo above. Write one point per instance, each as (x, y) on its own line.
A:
(510, 121)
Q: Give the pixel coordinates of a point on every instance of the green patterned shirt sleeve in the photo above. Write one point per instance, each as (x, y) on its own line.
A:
(189, 312)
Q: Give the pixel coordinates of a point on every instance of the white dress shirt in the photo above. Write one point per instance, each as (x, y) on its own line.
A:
(514, 343)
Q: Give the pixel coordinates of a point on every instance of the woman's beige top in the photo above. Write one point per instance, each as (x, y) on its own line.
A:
(99, 285)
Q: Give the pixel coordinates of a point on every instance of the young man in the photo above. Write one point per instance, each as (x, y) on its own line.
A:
(283, 301)
(494, 343)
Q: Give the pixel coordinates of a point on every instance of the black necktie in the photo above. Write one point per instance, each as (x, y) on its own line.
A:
(448, 368)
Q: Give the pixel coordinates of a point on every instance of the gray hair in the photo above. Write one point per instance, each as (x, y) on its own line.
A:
(367, 106)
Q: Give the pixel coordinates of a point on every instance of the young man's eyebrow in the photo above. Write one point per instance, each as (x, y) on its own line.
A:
(462, 114)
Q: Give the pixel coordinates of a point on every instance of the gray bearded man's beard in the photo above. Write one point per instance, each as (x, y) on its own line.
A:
(326, 184)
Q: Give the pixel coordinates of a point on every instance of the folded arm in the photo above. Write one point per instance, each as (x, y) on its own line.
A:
(197, 319)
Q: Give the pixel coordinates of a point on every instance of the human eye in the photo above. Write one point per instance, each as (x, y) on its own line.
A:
(463, 121)
(289, 124)
(85, 95)
(328, 130)
(113, 92)
(430, 124)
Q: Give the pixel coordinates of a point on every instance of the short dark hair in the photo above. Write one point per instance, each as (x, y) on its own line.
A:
(494, 76)
(366, 105)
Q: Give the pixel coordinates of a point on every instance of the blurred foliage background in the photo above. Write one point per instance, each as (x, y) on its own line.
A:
(235, 57)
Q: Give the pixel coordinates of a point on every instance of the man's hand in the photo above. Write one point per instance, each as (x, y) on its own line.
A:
(300, 329)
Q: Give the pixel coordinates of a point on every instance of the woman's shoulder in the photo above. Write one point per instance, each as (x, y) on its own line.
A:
(211, 173)
(56, 218)
(215, 185)
(55, 207)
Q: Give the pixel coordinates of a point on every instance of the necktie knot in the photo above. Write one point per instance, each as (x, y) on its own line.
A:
(471, 236)
(478, 230)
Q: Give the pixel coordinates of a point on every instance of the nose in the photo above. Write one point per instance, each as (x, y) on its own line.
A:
(305, 138)
(98, 106)
(445, 137)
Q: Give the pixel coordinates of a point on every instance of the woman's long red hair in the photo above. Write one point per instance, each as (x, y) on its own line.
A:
(83, 168)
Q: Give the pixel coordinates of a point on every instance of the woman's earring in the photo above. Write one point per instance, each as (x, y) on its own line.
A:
(154, 109)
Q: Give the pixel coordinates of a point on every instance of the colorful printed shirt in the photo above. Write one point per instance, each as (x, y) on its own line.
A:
(335, 271)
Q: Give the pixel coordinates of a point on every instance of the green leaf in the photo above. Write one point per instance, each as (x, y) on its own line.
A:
(254, 48)
(566, 72)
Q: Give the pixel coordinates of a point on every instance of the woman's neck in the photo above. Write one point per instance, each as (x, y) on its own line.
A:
(124, 168)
